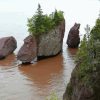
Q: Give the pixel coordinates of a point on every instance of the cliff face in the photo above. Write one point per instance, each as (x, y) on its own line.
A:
(80, 88)
(50, 44)
(85, 80)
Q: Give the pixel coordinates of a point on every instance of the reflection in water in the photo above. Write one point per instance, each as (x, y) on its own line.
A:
(68, 62)
(8, 62)
(72, 52)
(45, 74)
(35, 81)
(42, 72)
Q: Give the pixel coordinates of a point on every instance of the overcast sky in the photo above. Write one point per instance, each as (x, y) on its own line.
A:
(14, 14)
(47, 5)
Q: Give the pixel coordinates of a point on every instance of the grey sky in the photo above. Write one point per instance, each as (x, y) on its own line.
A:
(31, 5)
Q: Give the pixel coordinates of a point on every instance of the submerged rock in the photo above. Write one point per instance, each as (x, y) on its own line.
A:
(73, 39)
(7, 46)
(50, 44)
(28, 52)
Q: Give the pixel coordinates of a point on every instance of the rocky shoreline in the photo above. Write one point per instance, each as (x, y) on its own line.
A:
(41, 47)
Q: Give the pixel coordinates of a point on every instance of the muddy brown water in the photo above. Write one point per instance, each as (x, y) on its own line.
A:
(35, 81)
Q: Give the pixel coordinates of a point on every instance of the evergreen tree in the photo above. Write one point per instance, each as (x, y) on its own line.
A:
(39, 11)
(58, 16)
(40, 23)
(95, 32)
(89, 55)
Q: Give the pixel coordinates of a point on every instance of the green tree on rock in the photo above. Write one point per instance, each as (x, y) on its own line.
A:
(41, 23)
(58, 16)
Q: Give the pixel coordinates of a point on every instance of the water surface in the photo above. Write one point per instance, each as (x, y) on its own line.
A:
(35, 81)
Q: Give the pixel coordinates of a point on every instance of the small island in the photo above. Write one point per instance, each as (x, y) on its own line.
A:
(46, 36)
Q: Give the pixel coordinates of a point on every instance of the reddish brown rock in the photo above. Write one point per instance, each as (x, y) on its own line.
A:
(28, 51)
(43, 46)
(7, 46)
(73, 39)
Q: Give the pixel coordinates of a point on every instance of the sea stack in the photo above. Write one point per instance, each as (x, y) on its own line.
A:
(73, 39)
(45, 45)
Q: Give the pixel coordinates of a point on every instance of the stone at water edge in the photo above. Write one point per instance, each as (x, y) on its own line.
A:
(7, 46)
(28, 52)
(77, 88)
(73, 39)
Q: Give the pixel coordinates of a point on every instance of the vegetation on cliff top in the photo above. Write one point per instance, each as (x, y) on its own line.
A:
(87, 72)
(40, 23)
(89, 51)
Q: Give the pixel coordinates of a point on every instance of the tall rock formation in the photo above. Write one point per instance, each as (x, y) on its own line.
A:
(50, 44)
(7, 46)
(45, 45)
(73, 39)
